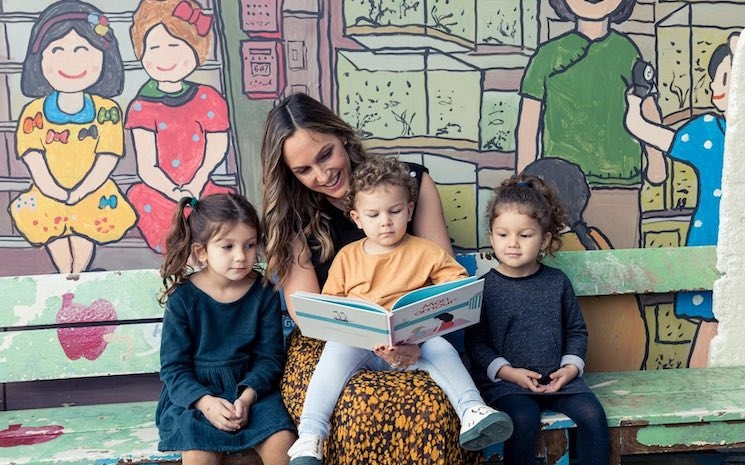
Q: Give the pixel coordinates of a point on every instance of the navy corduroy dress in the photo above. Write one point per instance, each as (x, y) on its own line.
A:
(215, 348)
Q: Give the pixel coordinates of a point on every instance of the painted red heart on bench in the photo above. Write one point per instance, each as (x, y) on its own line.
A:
(89, 341)
(18, 435)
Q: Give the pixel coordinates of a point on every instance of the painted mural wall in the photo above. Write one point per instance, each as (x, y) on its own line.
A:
(112, 111)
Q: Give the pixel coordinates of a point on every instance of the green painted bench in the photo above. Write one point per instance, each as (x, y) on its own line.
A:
(57, 327)
(108, 324)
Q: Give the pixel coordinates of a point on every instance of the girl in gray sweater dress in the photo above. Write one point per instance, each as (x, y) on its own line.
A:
(527, 353)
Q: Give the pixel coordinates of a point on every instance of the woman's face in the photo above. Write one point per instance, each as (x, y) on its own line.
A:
(593, 10)
(720, 84)
(167, 58)
(319, 161)
(71, 64)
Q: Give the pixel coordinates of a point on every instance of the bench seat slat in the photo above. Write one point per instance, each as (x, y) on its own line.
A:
(38, 355)
(694, 436)
(99, 434)
(663, 381)
(663, 409)
(676, 396)
(658, 397)
(656, 411)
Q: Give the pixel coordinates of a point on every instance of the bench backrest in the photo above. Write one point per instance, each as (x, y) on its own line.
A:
(626, 271)
(108, 323)
(94, 324)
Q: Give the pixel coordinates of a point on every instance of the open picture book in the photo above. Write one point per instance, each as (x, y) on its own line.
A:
(415, 317)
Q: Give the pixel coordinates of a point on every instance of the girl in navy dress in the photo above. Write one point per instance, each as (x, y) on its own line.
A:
(527, 353)
(221, 351)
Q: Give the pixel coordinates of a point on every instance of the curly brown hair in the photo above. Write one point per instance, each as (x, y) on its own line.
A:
(377, 171)
(533, 197)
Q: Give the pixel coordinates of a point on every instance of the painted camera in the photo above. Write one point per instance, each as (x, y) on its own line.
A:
(643, 79)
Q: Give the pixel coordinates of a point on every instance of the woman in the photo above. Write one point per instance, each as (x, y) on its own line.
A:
(308, 155)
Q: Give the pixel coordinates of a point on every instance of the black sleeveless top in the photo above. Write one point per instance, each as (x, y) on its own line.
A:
(344, 231)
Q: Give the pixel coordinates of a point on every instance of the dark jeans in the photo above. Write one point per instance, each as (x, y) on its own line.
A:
(584, 409)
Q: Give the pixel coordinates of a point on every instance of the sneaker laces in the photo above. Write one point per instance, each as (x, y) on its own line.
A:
(306, 445)
(476, 414)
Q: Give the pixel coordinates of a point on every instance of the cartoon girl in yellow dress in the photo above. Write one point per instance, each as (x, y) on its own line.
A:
(71, 137)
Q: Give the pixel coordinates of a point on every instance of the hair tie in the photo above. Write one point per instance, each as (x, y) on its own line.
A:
(522, 184)
(193, 202)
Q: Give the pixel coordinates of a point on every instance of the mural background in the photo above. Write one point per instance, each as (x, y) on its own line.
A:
(436, 82)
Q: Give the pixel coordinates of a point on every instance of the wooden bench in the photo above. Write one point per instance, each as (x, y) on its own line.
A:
(47, 333)
(56, 327)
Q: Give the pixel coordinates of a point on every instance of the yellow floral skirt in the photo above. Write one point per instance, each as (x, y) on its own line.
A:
(382, 417)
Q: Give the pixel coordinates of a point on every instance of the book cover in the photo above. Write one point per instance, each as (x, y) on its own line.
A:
(415, 317)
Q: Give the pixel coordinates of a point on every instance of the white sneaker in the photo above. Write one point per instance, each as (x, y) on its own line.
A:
(307, 450)
(483, 426)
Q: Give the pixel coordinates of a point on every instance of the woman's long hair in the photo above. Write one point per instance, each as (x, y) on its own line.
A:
(291, 210)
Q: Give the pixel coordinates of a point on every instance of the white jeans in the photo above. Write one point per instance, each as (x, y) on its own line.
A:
(340, 362)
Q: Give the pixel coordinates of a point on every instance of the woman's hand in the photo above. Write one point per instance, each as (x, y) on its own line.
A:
(561, 378)
(219, 412)
(402, 356)
(527, 379)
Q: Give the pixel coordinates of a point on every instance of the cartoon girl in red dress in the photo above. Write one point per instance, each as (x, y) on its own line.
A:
(180, 128)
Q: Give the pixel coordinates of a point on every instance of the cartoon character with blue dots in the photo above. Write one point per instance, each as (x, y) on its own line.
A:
(70, 137)
(180, 128)
(699, 142)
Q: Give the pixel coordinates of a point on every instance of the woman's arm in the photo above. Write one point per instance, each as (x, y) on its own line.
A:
(429, 220)
(99, 174)
(527, 132)
(147, 165)
(300, 277)
(214, 152)
(43, 179)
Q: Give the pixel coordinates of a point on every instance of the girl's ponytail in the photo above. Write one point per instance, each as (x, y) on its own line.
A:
(178, 248)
